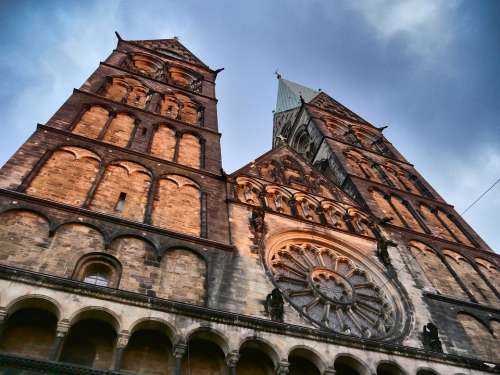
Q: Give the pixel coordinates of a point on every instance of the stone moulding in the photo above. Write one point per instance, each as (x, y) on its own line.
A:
(219, 316)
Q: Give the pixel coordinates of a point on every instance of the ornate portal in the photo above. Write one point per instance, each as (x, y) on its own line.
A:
(332, 290)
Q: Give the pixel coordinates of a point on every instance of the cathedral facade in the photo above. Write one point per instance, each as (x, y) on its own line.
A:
(126, 249)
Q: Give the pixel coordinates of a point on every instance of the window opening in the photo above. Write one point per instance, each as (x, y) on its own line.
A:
(121, 202)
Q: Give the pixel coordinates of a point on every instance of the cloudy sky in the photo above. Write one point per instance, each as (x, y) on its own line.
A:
(427, 68)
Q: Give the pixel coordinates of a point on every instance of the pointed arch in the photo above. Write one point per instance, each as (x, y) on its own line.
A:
(70, 242)
(434, 270)
(164, 142)
(177, 205)
(24, 237)
(183, 276)
(472, 280)
(92, 121)
(190, 150)
(67, 176)
(123, 190)
(482, 341)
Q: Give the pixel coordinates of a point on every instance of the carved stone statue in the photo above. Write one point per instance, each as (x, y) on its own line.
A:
(274, 305)
(382, 249)
(430, 338)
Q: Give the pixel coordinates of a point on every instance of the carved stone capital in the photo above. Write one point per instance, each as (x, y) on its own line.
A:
(3, 314)
(122, 341)
(179, 350)
(283, 368)
(329, 371)
(232, 359)
(62, 328)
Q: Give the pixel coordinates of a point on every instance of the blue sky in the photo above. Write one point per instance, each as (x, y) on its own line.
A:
(427, 68)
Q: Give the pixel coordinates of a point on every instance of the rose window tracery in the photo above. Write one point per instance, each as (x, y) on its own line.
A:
(332, 290)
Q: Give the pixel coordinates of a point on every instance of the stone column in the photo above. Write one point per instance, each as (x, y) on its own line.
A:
(61, 331)
(3, 320)
(179, 350)
(232, 359)
(121, 344)
(282, 368)
(329, 371)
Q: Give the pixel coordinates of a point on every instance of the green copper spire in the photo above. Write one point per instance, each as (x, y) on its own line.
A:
(289, 94)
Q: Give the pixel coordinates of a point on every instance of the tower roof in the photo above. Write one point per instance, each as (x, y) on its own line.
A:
(170, 47)
(289, 94)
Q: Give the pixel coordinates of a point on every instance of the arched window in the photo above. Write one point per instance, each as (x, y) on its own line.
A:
(170, 106)
(189, 151)
(120, 130)
(24, 237)
(98, 269)
(127, 90)
(177, 205)
(182, 77)
(163, 143)
(453, 227)
(70, 243)
(435, 271)
(123, 190)
(66, 176)
(92, 122)
(145, 64)
(183, 275)
(386, 208)
(190, 111)
(484, 343)
(472, 280)
(407, 215)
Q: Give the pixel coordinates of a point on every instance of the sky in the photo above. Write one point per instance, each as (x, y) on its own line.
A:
(427, 68)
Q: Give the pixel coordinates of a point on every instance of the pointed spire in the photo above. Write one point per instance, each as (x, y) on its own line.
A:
(292, 95)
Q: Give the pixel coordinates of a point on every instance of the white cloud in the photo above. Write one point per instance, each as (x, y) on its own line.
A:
(424, 24)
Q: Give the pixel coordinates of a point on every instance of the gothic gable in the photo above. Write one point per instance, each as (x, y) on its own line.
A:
(172, 48)
(283, 166)
(328, 104)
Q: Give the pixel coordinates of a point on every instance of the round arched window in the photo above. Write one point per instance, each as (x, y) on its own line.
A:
(97, 274)
(98, 269)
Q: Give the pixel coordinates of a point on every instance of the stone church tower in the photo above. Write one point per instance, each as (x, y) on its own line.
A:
(126, 249)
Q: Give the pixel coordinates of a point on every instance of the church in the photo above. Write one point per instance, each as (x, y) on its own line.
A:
(125, 248)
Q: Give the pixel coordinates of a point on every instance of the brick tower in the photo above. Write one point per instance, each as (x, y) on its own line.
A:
(125, 248)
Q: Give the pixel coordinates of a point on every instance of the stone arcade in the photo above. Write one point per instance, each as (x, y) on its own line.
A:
(125, 248)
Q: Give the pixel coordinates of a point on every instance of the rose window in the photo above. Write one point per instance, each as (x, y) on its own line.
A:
(332, 290)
